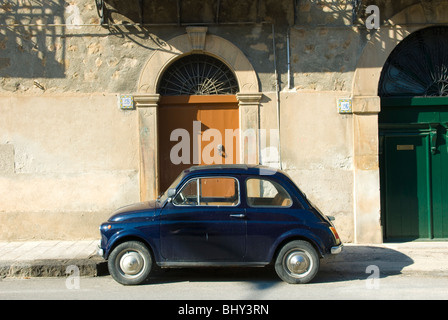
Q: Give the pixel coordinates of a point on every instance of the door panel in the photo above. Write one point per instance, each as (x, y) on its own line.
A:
(415, 185)
(412, 178)
(205, 234)
(407, 191)
(206, 124)
(171, 118)
(209, 227)
(225, 120)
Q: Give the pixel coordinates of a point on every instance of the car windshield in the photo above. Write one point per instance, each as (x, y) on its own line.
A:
(162, 198)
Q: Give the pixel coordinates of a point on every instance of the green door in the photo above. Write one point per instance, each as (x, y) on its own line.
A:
(414, 169)
(407, 190)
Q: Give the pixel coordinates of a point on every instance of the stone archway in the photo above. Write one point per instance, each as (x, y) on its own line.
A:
(196, 40)
(413, 127)
(366, 107)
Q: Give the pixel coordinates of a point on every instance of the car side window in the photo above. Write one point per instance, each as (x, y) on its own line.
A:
(266, 193)
(188, 196)
(219, 191)
(209, 191)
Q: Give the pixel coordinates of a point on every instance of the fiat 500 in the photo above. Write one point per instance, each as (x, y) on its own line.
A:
(220, 216)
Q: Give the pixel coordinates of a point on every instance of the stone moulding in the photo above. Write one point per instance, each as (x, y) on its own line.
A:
(197, 38)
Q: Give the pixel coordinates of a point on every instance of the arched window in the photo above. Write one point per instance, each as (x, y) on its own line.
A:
(418, 66)
(198, 74)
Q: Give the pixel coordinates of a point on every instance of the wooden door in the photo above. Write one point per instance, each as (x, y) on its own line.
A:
(196, 130)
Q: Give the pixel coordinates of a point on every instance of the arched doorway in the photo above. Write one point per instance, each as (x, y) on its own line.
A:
(198, 116)
(413, 125)
(196, 41)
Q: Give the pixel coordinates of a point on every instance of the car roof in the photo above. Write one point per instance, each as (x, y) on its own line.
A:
(232, 169)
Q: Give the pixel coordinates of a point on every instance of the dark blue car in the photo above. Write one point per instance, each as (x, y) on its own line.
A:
(220, 215)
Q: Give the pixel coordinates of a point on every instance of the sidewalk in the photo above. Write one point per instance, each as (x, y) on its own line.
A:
(51, 259)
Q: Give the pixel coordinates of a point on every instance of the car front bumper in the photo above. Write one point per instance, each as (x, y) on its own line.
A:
(337, 249)
(99, 250)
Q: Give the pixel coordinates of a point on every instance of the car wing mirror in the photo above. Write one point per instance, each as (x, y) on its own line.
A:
(171, 193)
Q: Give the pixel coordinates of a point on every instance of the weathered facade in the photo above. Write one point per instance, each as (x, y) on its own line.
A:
(70, 153)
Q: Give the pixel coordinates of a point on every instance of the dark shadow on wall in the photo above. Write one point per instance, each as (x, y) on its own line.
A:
(28, 49)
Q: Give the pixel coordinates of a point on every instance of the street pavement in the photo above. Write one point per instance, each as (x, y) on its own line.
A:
(56, 259)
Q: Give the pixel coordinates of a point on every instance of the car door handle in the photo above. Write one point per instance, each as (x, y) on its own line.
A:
(239, 216)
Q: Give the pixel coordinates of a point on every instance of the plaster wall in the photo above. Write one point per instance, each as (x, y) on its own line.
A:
(317, 152)
(67, 162)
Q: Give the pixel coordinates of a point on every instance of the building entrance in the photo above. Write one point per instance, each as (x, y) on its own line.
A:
(198, 118)
(413, 125)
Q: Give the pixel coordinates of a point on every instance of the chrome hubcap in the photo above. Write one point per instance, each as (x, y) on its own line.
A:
(298, 263)
(131, 263)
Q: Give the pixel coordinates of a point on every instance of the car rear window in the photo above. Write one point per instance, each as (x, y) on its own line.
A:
(266, 193)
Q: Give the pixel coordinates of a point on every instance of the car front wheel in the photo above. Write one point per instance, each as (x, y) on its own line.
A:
(297, 262)
(130, 263)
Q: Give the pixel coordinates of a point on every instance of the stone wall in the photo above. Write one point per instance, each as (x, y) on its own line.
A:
(69, 156)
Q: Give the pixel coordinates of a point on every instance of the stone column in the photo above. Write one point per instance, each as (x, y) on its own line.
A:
(367, 202)
(249, 104)
(147, 105)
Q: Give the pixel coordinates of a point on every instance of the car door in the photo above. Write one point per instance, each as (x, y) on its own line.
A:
(204, 223)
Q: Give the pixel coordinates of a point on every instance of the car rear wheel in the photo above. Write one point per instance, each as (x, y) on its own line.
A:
(297, 262)
(130, 263)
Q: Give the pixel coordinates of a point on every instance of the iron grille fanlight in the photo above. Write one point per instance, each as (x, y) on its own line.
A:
(198, 74)
(418, 66)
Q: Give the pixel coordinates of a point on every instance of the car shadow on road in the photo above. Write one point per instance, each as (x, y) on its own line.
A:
(358, 262)
(355, 262)
(230, 274)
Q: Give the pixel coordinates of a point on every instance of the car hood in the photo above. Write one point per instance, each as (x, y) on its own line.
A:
(135, 211)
